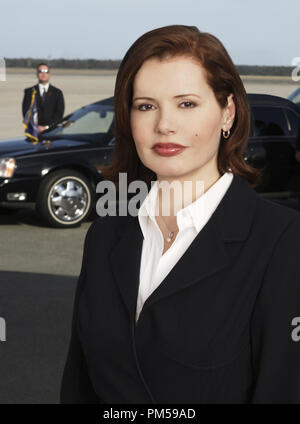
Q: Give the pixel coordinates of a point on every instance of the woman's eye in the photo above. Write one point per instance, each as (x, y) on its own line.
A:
(144, 107)
(148, 106)
(188, 104)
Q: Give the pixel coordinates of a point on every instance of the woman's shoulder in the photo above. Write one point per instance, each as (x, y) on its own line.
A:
(281, 224)
(275, 214)
(108, 227)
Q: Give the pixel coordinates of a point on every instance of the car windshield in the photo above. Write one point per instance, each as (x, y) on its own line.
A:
(295, 96)
(94, 119)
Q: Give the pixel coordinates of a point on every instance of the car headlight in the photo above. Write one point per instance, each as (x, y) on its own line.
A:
(7, 167)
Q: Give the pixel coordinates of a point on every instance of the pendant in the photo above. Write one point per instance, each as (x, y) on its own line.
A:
(171, 234)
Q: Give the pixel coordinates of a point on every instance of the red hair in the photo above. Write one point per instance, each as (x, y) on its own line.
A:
(221, 76)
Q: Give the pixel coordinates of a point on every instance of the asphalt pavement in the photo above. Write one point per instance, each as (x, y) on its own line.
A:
(39, 268)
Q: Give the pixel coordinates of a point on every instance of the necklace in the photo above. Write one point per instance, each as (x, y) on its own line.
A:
(170, 233)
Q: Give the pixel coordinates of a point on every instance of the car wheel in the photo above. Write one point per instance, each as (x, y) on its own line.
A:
(64, 198)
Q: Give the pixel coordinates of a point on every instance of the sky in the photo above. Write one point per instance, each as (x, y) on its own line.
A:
(254, 32)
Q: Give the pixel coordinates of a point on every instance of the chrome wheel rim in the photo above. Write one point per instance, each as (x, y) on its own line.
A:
(69, 200)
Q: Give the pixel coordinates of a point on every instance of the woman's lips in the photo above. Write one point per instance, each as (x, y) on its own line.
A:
(168, 149)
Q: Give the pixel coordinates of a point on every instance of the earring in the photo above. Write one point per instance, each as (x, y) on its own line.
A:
(227, 134)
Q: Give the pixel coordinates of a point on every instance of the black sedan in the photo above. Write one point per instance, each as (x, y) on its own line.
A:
(59, 174)
(295, 96)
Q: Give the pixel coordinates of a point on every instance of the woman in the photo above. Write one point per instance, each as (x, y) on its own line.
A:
(200, 305)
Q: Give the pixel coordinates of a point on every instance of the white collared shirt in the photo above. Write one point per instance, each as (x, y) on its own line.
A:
(42, 87)
(190, 220)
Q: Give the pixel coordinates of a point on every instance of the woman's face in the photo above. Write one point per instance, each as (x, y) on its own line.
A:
(172, 103)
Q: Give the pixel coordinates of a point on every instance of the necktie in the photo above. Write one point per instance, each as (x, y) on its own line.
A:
(44, 95)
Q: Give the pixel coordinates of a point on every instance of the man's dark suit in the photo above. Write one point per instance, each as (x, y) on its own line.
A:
(49, 111)
(220, 328)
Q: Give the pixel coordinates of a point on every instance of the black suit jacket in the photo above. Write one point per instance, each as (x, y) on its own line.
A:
(220, 328)
(49, 112)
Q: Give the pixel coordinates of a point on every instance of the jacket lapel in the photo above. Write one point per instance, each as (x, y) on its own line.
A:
(48, 94)
(125, 263)
(207, 254)
(38, 96)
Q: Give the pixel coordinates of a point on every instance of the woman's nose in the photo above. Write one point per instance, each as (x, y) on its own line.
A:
(165, 124)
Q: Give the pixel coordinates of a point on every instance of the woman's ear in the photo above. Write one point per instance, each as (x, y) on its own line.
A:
(229, 113)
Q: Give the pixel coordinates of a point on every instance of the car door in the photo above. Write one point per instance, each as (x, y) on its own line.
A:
(271, 148)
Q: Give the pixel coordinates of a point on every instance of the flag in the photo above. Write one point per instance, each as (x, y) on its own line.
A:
(31, 120)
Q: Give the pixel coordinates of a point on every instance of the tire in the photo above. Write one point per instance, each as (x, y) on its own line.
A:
(65, 198)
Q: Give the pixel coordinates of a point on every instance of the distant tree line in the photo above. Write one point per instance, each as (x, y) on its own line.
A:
(114, 64)
(64, 63)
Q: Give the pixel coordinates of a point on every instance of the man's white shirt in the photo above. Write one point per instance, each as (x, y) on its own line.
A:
(42, 87)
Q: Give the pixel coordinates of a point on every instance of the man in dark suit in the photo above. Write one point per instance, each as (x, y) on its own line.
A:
(49, 99)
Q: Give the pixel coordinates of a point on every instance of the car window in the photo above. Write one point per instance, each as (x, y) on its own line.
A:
(251, 132)
(269, 121)
(91, 120)
(112, 142)
(296, 97)
(293, 122)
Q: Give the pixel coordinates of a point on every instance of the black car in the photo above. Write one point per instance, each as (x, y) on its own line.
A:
(273, 142)
(295, 96)
(59, 173)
